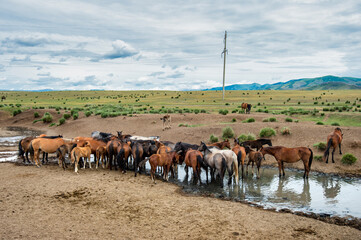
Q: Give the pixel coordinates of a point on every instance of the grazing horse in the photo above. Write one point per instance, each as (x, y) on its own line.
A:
(137, 152)
(257, 143)
(166, 121)
(221, 145)
(247, 107)
(47, 145)
(254, 157)
(194, 159)
(240, 153)
(220, 160)
(62, 151)
(333, 139)
(79, 152)
(290, 155)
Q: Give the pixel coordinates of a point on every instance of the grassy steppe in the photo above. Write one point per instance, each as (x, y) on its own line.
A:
(328, 106)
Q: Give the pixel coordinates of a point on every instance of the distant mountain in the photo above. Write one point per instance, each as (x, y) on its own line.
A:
(320, 83)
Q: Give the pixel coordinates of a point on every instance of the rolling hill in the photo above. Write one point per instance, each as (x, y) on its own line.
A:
(320, 83)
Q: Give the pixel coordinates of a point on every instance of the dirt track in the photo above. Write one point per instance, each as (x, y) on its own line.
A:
(47, 202)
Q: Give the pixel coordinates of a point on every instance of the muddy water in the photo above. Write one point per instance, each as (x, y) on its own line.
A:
(322, 193)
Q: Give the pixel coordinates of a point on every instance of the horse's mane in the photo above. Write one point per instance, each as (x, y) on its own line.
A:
(52, 137)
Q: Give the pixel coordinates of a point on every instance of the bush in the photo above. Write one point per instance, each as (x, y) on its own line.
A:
(61, 121)
(320, 146)
(88, 113)
(47, 118)
(285, 131)
(335, 124)
(104, 114)
(289, 120)
(267, 132)
(223, 111)
(317, 158)
(319, 123)
(272, 119)
(16, 112)
(196, 111)
(265, 120)
(249, 120)
(244, 137)
(234, 120)
(52, 124)
(348, 159)
(227, 133)
(66, 115)
(213, 139)
(75, 115)
(36, 115)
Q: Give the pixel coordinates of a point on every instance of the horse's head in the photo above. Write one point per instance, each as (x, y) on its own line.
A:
(87, 144)
(178, 146)
(202, 147)
(236, 141)
(120, 133)
(263, 152)
(226, 144)
(339, 130)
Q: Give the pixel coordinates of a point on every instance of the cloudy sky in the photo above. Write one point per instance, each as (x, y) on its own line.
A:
(174, 45)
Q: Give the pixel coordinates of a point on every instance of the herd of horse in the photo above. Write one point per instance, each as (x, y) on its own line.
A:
(128, 152)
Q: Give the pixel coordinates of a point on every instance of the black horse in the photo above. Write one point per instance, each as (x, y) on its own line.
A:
(256, 143)
(182, 148)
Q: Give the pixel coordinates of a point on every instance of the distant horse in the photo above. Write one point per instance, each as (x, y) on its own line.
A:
(221, 145)
(290, 155)
(247, 107)
(254, 157)
(220, 160)
(79, 152)
(47, 145)
(166, 119)
(240, 153)
(3, 98)
(62, 151)
(256, 143)
(333, 139)
(194, 159)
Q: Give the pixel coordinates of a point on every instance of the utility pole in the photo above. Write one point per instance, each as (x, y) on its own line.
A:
(224, 62)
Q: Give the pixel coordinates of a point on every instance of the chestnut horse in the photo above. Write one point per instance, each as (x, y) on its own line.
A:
(101, 153)
(290, 155)
(333, 139)
(47, 145)
(254, 157)
(221, 145)
(79, 152)
(247, 107)
(241, 154)
(194, 159)
(163, 160)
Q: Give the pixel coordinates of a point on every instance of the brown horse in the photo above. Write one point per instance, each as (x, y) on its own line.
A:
(24, 147)
(164, 160)
(254, 157)
(123, 153)
(111, 149)
(62, 151)
(221, 145)
(79, 152)
(247, 107)
(290, 155)
(137, 152)
(101, 153)
(257, 143)
(194, 159)
(47, 145)
(94, 144)
(241, 154)
(166, 119)
(333, 139)
(162, 148)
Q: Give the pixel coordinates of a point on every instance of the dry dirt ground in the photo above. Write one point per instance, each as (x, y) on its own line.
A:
(49, 203)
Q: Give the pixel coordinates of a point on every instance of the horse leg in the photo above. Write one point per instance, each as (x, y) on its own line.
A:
(339, 146)
(334, 149)
(249, 161)
(90, 165)
(279, 168)
(252, 167)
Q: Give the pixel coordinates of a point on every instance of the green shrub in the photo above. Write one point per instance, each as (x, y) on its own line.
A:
(249, 120)
(88, 113)
(265, 120)
(272, 119)
(267, 132)
(52, 124)
(47, 118)
(213, 139)
(244, 137)
(61, 121)
(335, 124)
(227, 133)
(196, 111)
(75, 115)
(319, 123)
(317, 158)
(234, 120)
(16, 112)
(183, 125)
(66, 115)
(285, 131)
(320, 146)
(223, 111)
(348, 159)
(104, 114)
(289, 120)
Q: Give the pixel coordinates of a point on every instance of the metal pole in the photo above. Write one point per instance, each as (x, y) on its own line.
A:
(224, 62)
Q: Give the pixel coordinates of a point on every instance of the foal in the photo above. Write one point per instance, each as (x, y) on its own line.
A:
(254, 157)
(333, 139)
(79, 152)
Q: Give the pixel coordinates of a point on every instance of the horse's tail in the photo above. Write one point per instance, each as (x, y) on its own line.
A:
(224, 166)
(310, 160)
(329, 143)
(31, 149)
(73, 157)
(21, 150)
(239, 157)
(120, 159)
(200, 161)
(142, 163)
